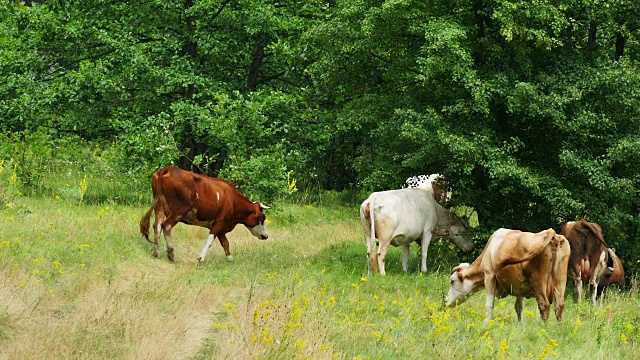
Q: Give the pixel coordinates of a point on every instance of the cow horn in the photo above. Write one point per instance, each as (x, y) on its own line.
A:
(263, 206)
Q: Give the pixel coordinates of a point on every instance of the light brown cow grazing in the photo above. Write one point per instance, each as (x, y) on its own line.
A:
(589, 257)
(516, 263)
(194, 199)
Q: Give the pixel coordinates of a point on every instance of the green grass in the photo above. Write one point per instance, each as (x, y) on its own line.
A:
(78, 281)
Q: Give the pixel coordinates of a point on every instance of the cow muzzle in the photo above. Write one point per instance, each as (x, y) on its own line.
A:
(259, 231)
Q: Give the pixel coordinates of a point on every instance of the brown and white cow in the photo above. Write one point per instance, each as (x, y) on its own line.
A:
(520, 264)
(612, 274)
(400, 217)
(194, 199)
(589, 257)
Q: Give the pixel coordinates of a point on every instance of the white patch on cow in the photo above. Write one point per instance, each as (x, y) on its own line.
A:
(496, 242)
(197, 196)
(259, 231)
(230, 258)
(460, 292)
(206, 247)
(218, 194)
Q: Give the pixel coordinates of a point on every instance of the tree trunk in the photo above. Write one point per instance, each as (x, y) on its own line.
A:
(258, 55)
(620, 42)
(591, 43)
(479, 53)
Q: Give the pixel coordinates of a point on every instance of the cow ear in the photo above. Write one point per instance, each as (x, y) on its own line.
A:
(459, 267)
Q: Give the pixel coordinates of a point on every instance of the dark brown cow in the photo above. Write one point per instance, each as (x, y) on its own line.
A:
(589, 256)
(194, 199)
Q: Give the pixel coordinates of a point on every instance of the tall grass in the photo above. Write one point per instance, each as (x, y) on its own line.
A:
(78, 281)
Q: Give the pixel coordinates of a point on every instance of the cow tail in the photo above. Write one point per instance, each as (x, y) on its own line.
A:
(597, 231)
(374, 250)
(144, 222)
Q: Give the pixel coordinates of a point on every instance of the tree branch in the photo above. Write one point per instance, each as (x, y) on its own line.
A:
(224, 4)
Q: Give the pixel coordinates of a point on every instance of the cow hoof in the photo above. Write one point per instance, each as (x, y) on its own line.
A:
(170, 255)
(229, 258)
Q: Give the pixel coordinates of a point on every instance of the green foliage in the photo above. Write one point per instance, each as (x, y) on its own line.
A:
(523, 106)
(262, 177)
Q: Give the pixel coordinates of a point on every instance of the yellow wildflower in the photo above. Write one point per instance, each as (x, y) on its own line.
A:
(503, 346)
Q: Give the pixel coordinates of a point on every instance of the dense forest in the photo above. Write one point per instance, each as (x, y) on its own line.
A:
(531, 109)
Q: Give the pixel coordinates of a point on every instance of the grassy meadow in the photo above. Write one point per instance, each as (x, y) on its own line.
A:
(77, 280)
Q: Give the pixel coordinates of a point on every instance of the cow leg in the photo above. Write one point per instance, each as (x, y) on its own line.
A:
(490, 288)
(577, 276)
(520, 308)
(543, 306)
(593, 287)
(426, 239)
(372, 260)
(405, 256)
(597, 274)
(157, 230)
(370, 266)
(383, 248)
(206, 247)
(225, 245)
(558, 297)
(167, 237)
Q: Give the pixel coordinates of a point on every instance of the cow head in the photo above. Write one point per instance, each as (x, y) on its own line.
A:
(255, 221)
(453, 228)
(462, 287)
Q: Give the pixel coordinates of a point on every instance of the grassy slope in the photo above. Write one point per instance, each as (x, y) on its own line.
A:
(79, 282)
